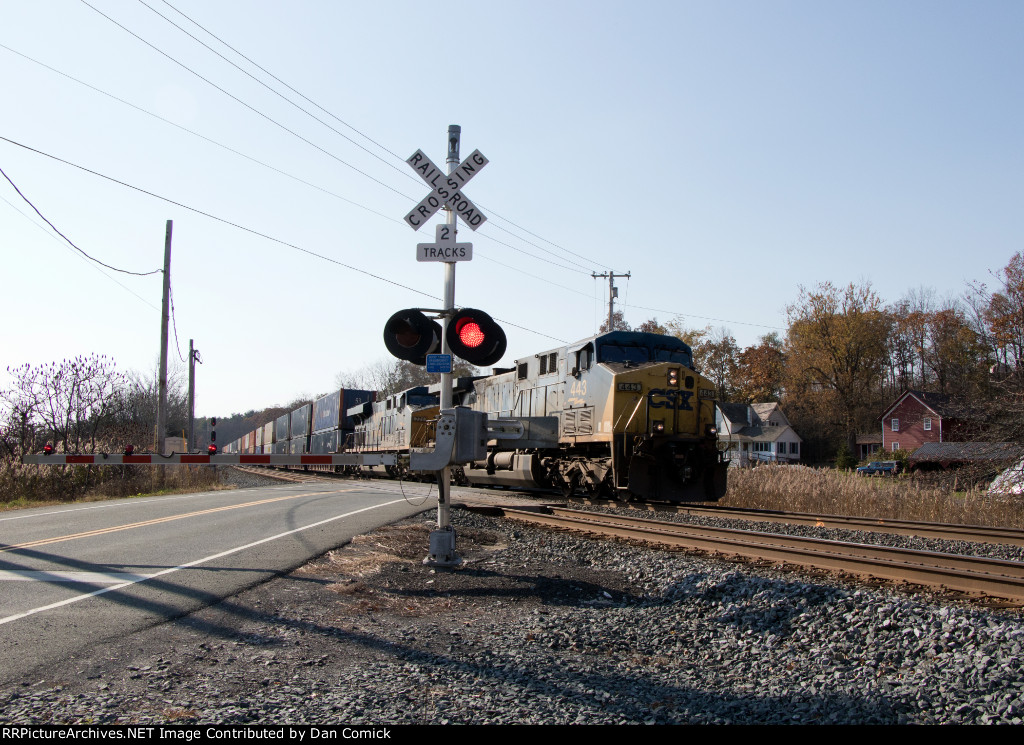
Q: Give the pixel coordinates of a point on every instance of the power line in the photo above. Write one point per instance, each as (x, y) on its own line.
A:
(54, 238)
(276, 93)
(248, 106)
(251, 231)
(267, 165)
(704, 318)
(218, 219)
(337, 118)
(262, 69)
(69, 241)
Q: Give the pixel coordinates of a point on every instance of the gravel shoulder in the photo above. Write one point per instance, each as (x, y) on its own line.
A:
(544, 627)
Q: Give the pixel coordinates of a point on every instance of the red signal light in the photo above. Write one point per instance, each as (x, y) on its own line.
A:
(475, 337)
(212, 449)
(470, 333)
(47, 449)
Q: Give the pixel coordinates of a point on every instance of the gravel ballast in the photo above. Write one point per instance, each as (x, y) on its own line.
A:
(544, 627)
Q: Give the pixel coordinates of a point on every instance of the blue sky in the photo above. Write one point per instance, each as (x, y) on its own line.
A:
(723, 153)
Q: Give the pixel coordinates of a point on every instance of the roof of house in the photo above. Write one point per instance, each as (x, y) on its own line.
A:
(764, 411)
(735, 413)
(869, 439)
(963, 452)
(938, 403)
(759, 433)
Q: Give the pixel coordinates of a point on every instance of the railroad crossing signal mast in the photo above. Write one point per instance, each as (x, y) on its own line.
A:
(469, 333)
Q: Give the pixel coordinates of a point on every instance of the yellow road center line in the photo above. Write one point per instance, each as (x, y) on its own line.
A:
(157, 521)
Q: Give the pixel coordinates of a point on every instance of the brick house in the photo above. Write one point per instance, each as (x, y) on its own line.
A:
(917, 417)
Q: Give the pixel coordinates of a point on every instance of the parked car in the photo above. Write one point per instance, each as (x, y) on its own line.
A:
(879, 468)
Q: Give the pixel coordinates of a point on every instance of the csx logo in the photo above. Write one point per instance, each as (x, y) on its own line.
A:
(672, 399)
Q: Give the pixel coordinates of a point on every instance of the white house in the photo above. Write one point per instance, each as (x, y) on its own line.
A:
(756, 432)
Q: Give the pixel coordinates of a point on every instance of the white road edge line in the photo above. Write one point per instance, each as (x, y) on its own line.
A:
(130, 502)
(190, 564)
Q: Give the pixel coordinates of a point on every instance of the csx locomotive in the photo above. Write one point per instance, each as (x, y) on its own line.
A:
(621, 414)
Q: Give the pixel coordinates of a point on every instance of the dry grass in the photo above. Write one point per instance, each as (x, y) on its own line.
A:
(34, 486)
(827, 491)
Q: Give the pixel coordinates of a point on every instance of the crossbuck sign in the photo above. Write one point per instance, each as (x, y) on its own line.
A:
(446, 190)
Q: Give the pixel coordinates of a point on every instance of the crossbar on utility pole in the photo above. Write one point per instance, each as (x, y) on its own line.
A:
(612, 292)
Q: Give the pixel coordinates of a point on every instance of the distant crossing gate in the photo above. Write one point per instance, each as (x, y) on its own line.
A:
(224, 459)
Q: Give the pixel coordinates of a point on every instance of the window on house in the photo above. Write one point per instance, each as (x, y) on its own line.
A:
(895, 425)
(895, 446)
(927, 424)
(782, 448)
(794, 448)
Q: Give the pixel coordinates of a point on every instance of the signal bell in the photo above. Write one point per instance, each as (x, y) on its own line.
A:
(475, 337)
(410, 335)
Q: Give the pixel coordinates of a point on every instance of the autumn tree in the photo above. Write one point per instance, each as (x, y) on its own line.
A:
(759, 371)
(1005, 314)
(652, 326)
(837, 344)
(618, 323)
(717, 359)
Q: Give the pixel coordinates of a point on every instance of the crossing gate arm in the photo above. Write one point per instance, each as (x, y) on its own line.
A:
(224, 459)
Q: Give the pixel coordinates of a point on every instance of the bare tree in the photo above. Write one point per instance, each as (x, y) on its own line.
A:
(68, 402)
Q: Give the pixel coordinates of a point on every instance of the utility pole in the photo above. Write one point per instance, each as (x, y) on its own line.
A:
(161, 406)
(613, 292)
(193, 358)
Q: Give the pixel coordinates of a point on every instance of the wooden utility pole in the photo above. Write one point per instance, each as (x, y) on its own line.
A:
(612, 292)
(165, 316)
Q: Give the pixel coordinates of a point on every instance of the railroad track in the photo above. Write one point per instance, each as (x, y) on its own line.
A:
(966, 574)
(943, 531)
(296, 476)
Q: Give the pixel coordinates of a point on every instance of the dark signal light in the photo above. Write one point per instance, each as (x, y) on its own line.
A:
(129, 449)
(409, 335)
(475, 337)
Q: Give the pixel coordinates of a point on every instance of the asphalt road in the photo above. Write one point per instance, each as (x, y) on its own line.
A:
(74, 577)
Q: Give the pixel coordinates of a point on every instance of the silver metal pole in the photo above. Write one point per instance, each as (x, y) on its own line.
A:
(442, 544)
(444, 490)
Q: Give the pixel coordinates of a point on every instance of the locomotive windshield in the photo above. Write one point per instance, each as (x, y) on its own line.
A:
(635, 354)
(624, 353)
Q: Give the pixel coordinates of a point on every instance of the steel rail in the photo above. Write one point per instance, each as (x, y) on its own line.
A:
(967, 574)
(944, 531)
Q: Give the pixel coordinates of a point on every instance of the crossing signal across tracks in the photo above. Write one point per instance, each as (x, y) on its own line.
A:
(409, 335)
(475, 337)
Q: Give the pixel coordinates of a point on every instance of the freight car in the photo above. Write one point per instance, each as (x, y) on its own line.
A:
(321, 427)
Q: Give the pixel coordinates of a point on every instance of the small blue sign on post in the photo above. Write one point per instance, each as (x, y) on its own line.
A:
(439, 363)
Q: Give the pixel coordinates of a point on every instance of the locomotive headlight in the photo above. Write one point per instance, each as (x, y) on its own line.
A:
(659, 425)
(673, 378)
